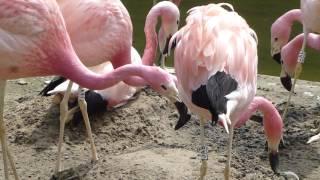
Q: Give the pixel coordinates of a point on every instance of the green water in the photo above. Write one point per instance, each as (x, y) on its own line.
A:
(258, 13)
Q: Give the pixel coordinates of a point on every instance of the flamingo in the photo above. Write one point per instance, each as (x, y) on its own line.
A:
(280, 34)
(281, 30)
(102, 31)
(163, 42)
(26, 27)
(216, 67)
(289, 56)
(310, 15)
(98, 100)
(273, 129)
(109, 98)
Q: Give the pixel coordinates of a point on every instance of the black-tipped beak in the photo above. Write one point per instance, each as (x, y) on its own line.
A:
(286, 82)
(274, 161)
(277, 58)
(166, 48)
(184, 116)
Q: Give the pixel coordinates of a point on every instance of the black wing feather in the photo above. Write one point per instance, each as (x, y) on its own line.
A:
(56, 81)
(218, 86)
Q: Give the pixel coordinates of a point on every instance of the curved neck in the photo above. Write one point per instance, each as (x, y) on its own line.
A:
(272, 121)
(150, 49)
(291, 50)
(291, 16)
(74, 70)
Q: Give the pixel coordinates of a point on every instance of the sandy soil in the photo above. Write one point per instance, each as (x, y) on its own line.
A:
(138, 141)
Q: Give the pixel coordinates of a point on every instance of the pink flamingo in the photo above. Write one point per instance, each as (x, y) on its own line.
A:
(216, 66)
(25, 31)
(163, 41)
(289, 55)
(281, 30)
(273, 128)
(112, 97)
(101, 31)
(310, 15)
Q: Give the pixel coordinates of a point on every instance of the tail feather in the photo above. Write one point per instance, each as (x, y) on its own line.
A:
(56, 81)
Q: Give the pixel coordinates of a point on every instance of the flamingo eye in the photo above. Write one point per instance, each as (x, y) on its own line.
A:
(177, 22)
(164, 87)
(276, 39)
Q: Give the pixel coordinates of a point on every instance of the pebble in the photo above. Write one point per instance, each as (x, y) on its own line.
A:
(308, 94)
(22, 82)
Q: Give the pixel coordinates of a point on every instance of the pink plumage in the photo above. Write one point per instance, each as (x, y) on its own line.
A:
(204, 47)
(34, 42)
(290, 51)
(281, 30)
(216, 66)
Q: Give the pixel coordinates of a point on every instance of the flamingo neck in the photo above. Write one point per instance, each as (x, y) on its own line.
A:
(290, 53)
(73, 69)
(272, 121)
(149, 53)
(292, 16)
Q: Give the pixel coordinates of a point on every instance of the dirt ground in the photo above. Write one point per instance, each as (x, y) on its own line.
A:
(138, 141)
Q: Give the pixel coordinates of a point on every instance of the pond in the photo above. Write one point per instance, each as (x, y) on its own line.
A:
(259, 14)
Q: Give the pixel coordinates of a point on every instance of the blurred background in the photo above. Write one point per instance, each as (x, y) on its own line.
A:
(259, 14)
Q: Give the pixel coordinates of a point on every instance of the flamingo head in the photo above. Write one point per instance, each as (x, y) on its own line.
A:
(273, 129)
(164, 83)
(280, 35)
(170, 17)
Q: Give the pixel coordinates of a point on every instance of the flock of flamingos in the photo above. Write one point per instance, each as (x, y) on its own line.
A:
(215, 61)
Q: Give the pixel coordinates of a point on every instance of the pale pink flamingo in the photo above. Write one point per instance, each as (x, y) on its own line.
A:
(281, 30)
(273, 129)
(34, 42)
(289, 56)
(163, 41)
(310, 15)
(216, 66)
(106, 99)
(101, 31)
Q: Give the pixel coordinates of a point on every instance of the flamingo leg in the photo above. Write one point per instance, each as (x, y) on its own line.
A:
(203, 151)
(298, 70)
(63, 117)
(13, 166)
(162, 61)
(3, 137)
(228, 164)
(83, 107)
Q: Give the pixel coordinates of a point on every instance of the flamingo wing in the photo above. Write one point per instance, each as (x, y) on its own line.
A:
(94, 28)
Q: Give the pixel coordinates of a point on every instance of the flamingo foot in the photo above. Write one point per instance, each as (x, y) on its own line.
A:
(227, 173)
(203, 169)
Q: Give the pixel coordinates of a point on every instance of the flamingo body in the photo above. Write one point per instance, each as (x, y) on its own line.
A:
(311, 15)
(100, 30)
(216, 67)
(34, 42)
(26, 27)
(203, 50)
